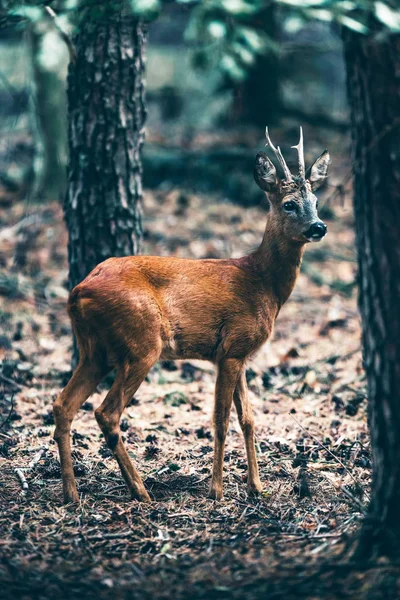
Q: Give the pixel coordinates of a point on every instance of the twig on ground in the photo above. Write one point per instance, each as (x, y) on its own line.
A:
(339, 357)
(327, 450)
(352, 497)
(321, 361)
(21, 477)
(10, 382)
(37, 457)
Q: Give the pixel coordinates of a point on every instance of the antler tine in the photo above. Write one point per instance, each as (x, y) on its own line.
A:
(300, 151)
(279, 156)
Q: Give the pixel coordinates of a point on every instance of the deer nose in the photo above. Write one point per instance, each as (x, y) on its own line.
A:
(316, 231)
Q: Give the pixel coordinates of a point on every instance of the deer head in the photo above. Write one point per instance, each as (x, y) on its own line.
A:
(293, 205)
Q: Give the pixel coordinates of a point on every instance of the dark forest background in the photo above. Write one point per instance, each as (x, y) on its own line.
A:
(132, 127)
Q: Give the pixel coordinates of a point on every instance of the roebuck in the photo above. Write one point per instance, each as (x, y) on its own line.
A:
(130, 312)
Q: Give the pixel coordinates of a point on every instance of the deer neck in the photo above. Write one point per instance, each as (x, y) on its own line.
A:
(277, 261)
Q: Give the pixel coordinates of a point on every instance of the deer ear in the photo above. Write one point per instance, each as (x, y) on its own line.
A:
(265, 173)
(319, 170)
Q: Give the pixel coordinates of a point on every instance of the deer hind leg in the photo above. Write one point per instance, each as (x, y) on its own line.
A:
(246, 421)
(81, 385)
(228, 373)
(108, 414)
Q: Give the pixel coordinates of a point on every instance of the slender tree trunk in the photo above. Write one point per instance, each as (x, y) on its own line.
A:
(49, 62)
(373, 73)
(106, 130)
(259, 97)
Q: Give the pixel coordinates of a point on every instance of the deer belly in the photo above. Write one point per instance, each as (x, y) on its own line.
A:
(196, 343)
(174, 350)
(227, 340)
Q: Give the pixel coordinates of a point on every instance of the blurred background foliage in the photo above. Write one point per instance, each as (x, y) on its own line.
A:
(217, 72)
(212, 64)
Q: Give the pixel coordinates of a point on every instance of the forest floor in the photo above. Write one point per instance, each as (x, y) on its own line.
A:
(308, 390)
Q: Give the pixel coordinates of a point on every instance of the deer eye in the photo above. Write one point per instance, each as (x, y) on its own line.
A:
(289, 206)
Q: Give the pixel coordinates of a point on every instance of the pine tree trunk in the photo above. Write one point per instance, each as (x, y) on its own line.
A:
(373, 74)
(106, 130)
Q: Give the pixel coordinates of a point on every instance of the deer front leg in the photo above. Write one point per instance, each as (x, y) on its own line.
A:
(228, 373)
(246, 421)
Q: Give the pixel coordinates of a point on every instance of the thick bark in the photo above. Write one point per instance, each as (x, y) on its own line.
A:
(106, 131)
(373, 72)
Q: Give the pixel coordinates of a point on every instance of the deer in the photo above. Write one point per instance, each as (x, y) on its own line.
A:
(130, 312)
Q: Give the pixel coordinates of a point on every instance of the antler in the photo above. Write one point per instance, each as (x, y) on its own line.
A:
(300, 151)
(278, 154)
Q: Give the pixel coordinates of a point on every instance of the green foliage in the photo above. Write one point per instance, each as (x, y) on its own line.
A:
(388, 16)
(224, 35)
(361, 16)
(147, 9)
(229, 34)
(213, 20)
(30, 13)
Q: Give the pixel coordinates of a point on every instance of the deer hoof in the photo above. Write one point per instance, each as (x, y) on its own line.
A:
(71, 496)
(255, 488)
(215, 493)
(141, 496)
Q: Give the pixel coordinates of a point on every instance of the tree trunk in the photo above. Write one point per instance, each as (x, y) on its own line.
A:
(106, 130)
(259, 98)
(49, 63)
(373, 74)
